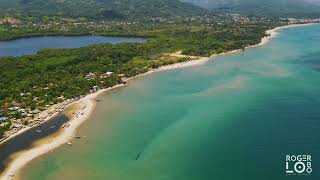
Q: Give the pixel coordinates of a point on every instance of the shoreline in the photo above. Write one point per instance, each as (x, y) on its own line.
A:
(89, 103)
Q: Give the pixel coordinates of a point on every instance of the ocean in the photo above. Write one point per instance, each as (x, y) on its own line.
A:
(235, 117)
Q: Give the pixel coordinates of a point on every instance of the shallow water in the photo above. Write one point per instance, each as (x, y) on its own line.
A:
(26, 140)
(235, 117)
(25, 46)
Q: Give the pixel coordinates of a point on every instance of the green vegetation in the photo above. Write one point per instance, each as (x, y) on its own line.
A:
(50, 76)
(32, 83)
(99, 9)
(4, 128)
(13, 28)
(283, 8)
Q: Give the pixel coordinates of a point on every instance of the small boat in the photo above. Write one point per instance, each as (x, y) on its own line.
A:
(78, 136)
(52, 127)
(138, 156)
(38, 130)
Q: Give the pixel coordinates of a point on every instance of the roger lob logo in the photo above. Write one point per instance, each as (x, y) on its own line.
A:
(298, 164)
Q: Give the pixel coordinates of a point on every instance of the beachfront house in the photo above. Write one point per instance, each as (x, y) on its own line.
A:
(95, 88)
(106, 75)
(90, 76)
(109, 73)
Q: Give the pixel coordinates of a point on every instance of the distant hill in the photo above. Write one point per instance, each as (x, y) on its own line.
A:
(103, 9)
(263, 7)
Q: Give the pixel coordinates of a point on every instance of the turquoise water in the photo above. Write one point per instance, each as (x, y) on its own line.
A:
(235, 117)
(32, 45)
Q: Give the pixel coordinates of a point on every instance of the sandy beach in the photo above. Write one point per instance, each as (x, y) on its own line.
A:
(87, 105)
(274, 32)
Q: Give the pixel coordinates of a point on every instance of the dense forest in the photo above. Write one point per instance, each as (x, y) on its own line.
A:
(99, 9)
(282, 8)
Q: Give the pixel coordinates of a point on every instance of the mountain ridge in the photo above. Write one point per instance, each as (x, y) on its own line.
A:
(101, 9)
(263, 7)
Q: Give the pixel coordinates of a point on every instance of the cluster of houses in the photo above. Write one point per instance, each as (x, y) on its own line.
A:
(65, 25)
(93, 76)
(90, 76)
(300, 21)
(23, 112)
(30, 118)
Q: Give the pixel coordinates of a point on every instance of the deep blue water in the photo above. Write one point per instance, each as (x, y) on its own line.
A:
(32, 45)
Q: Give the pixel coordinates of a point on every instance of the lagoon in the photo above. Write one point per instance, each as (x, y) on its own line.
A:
(32, 45)
(26, 140)
(235, 117)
